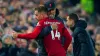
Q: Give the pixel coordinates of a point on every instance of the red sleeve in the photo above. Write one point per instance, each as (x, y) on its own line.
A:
(34, 34)
(68, 38)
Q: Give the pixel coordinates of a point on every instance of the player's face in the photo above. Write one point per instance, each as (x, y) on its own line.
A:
(70, 22)
(36, 15)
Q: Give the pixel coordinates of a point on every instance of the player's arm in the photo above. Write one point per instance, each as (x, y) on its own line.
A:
(68, 38)
(32, 35)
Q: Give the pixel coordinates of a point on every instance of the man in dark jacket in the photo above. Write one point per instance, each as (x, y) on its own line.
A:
(82, 45)
(9, 49)
(1, 49)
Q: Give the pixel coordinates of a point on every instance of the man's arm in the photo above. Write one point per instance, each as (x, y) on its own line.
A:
(68, 38)
(47, 30)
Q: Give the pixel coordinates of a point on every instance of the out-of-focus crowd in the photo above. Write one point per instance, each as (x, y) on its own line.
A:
(18, 15)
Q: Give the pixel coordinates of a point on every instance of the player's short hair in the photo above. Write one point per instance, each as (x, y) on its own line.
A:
(34, 44)
(74, 17)
(41, 9)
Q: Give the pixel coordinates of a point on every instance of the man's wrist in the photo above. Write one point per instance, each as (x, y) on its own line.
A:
(51, 28)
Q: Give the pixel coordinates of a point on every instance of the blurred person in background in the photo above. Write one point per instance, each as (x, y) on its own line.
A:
(97, 45)
(7, 40)
(24, 44)
(31, 22)
(1, 33)
(3, 23)
(97, 41)
(83, 45)
(31, 49)
(7, 43)
(18, 47)
(8, 17)
(9, 46)
(1, 48)
(20, 27)
(91, 30)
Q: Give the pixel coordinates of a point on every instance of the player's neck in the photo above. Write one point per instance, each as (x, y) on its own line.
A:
(45, 16)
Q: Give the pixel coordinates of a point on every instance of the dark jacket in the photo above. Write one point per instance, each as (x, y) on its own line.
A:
(2, 53)
(27, 53)
(14, 51)
(7, 50)
(10, 50)
(82, 45)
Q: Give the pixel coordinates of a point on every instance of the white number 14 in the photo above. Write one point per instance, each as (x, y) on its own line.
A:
(57, 34)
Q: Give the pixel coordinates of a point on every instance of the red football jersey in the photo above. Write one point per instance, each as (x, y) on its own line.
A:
(52, 41)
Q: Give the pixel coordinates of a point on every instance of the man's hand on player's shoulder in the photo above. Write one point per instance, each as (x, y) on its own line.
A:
(54, 26)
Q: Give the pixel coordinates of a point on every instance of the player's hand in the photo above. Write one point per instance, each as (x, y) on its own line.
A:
(54, 26)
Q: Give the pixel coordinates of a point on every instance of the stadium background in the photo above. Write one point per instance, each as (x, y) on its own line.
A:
(18, 15)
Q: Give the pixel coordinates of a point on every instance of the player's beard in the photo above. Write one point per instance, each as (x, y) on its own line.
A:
(52, 16)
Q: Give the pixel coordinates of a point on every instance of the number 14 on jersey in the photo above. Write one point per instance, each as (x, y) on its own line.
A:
(57, 34)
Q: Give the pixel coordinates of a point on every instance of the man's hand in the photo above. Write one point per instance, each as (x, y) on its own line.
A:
(15, 35)
(54, 26)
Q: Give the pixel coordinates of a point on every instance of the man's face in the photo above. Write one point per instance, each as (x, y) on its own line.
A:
(70, 22)
(8, 18)
(38, 15)
(8, 40)
(23, 43)
(97, 46)
(52, 13)
(30, 48)
(1, 20)
(1, 33)
(0, 45)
